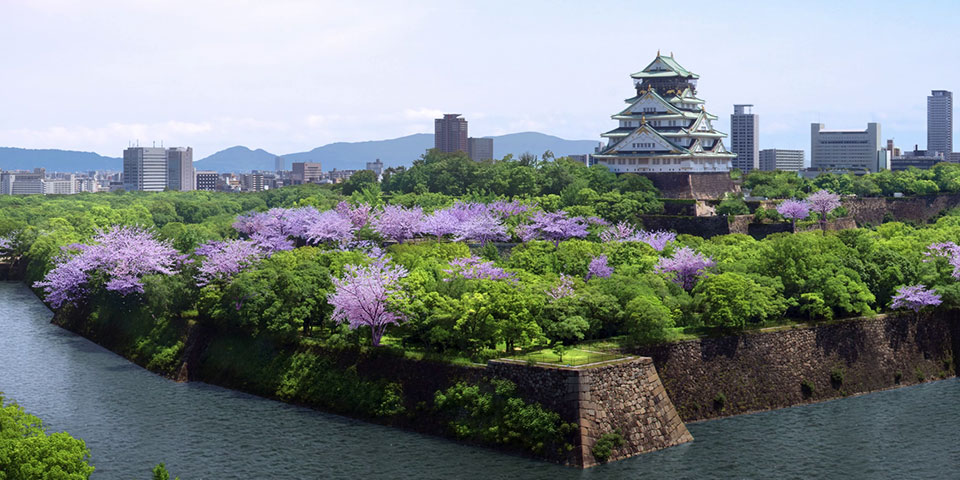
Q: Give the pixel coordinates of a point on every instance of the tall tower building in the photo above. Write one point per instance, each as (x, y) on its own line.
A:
(278, 164)
(940, 122)
(145, 169)
(450, 133)
(664, 127)
(744, 133)
(180, 173)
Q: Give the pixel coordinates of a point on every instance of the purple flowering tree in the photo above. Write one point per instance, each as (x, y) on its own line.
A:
(272, 230)
(366, 296)
(504, 209)
(686, 266)
(657, 239)
(482, 228)
(222, 260)
(915, 298)
(948, 250)
(121, 255)
(398, 223)
(552, 226)
(358, 215)
(621, 232)
(330, 227)
(598, 268)
(562, 289)
(439, 224)
(476, 268)
(794, 210)
(6, 244)
(624, 232)
(822, 203)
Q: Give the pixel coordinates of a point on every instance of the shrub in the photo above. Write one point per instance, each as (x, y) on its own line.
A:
(836, 377)
(719, 401)
(807, 388)
(920, 375)
(605, 444)
(897, 377)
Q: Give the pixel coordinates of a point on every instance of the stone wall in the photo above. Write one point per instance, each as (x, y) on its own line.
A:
(705, 227)
(624, 396)
(702, 186)
(715, 377)
(906, 209)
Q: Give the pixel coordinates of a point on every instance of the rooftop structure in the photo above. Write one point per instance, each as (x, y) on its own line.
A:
(665, 127)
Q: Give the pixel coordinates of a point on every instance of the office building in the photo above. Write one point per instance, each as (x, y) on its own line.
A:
(338, 176)
(180, 173)
(21, 183)
(480, 149)
(307, 172)
(922, 159)
(278, 164)
(940, 122)
(450, 134)
(857, 151)
(744, 132)
(376, 167)
(207, 180)
(252, 182)
(780, 159)
(66, 186)
(145, 169)
(665, 127)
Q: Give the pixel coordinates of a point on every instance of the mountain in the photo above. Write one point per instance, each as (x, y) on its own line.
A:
(392, 152)
(56, 160)
(537, 143)
(340, 155)
(238, 159)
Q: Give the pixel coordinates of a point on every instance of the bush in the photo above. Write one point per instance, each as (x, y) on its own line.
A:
(807, 388)
(719, 401)
(836, 377)
(492, 412)
(605, 444)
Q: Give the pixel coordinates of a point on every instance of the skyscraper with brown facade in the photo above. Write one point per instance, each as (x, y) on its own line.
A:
(450, 133)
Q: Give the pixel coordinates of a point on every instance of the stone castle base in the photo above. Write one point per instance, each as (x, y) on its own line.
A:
(699, 186)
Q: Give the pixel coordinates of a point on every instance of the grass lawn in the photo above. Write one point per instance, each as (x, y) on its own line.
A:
(572, 357)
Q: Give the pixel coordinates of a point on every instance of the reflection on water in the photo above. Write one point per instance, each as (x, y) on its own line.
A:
(132, 419)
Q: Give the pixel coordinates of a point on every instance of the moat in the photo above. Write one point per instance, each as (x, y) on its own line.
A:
(131, 419)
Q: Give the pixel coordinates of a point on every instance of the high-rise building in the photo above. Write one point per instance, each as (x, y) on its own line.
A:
(307, 172)
(180, 172)
(780, 159)
(207, 180)
(145, 169)
(664, 127)
(376, 167)
(480, 149)
(252, 182)
(744, 138)
(450, 133)
(940, 122)
(21, 183)
(847, 150)
(278, 164)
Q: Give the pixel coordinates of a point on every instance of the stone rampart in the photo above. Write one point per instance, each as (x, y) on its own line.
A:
(623, 396)
(700, 186)
(714, 377)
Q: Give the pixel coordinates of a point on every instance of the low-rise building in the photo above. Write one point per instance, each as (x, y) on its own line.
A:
(780, 159)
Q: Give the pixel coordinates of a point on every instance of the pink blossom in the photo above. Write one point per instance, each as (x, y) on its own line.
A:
(554, 227)
(598, 268)
(823, 202)
(330, 227)
(686, 266)
(915, 298)
(225, 259)
(358, 215)
(398, 223)
(366, 295)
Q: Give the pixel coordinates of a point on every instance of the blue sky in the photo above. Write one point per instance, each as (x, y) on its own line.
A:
(288, 75)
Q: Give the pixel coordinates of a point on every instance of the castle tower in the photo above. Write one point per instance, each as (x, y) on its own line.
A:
(665, 127)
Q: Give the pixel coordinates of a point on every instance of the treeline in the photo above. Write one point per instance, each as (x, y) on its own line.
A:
(942, 178)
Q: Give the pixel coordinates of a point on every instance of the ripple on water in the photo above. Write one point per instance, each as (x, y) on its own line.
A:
(132, 419)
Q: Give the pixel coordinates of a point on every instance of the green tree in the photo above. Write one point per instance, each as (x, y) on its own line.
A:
(27, 452)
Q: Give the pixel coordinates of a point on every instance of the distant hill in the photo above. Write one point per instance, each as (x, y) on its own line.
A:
(56, 160)
(238, 159)
(340, 155)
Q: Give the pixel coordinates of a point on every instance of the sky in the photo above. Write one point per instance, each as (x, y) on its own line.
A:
(291, 75)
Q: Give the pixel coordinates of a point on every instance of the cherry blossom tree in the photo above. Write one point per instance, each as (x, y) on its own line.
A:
(562, 289)
(552, 226)
(222, 260)
(686, 266)
(598, 268)
(948, 250)
(122, 256)
(915, 298)
(476, 268)
(822, 203)
(398, 223)
(794, 210)
(331, 227)
(366, 296)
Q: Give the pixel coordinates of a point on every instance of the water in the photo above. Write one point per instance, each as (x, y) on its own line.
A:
(132, 419)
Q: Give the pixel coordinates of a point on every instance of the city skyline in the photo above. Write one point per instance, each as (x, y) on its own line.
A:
(282, 92)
